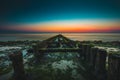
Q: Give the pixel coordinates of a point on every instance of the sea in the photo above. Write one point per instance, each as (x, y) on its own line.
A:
(73, 36)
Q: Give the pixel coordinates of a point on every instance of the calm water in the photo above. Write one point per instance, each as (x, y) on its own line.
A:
(73, 36)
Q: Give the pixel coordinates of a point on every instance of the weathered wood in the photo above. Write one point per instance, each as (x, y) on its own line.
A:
(59, 50)
(84, 51)
(114, 67)
(88, 52)
(17, 62)
(93, 55)
(100, 69)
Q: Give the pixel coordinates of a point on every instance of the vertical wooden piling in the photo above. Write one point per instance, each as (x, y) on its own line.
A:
(37, 54)
(17, 63)
(80, 46)
(88, 52)
(100, 66)
(84, 51)
(93, 55)
(114, 67)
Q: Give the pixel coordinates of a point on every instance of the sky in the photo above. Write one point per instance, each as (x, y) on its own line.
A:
(31, 16)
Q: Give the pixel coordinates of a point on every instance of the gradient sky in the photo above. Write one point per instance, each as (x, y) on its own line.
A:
(24, 16)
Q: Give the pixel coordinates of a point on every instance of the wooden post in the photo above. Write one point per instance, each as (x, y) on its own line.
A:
(88, 52)
(100, 69)
(93, 55)
(37, 54)
(84, 51)
(17, 63)
(114, 67)
(80, 46)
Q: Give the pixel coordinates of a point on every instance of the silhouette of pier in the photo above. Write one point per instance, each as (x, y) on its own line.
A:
(94, 59)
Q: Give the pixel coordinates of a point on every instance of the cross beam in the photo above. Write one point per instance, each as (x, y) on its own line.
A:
(60, 50)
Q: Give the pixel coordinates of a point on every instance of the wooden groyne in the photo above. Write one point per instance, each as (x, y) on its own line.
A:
(94, 58)
(97, 62)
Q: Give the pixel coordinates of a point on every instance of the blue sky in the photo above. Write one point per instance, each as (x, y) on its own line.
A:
(20, 12)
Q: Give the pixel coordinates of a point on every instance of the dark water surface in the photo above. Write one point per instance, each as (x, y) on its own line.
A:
(73, 36)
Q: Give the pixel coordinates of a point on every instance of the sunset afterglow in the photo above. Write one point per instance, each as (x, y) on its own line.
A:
(29, 16)
(70, 26)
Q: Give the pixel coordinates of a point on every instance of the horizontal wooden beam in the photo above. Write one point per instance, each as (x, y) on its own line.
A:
(60, 49)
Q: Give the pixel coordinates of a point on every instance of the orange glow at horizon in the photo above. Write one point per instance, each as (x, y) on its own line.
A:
(69, 27)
